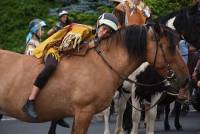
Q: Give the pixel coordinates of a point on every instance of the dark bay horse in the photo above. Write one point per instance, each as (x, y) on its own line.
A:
(186, 22)
(83, 86)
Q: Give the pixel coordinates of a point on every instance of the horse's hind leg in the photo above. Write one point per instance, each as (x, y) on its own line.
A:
(52, 129)
(121, 108)
(1, 115)
(152, 112)
(82, 121)
(177, 115)
(135, 115)
(166, 121)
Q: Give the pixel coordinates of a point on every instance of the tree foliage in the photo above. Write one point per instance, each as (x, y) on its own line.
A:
(163, 7)
(16, 15)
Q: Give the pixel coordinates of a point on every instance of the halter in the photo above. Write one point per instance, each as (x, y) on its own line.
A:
(170, 73)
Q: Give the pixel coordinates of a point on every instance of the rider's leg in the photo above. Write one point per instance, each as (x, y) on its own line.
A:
(41, 80)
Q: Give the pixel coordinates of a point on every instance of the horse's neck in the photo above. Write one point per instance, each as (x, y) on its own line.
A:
(118, 58)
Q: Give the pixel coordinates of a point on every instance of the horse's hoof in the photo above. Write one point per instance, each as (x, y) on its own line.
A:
(145, 124)
(119, 132)
(51, 132)
(167, 128)
(106, 133)
(179, 128)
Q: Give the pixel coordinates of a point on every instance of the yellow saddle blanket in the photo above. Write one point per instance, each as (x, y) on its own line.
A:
(67, 38)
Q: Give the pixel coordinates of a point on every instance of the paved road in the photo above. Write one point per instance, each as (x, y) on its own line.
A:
(190, 123)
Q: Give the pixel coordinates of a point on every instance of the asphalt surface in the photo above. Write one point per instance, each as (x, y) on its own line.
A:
(190, 123)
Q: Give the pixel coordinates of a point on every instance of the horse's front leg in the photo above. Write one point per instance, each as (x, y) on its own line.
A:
(106, 113)
(82, 119)
(177, 115)
(135, 115)
(152, 112)
(166, 121)
(1, 115)
(121, 108)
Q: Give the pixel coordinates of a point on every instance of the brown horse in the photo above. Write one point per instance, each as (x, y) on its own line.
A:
(128, 16)
(83, 86)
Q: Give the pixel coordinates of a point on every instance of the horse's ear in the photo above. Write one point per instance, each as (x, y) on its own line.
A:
(157, 28)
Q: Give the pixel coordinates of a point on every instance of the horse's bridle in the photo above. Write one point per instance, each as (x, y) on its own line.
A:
(170, 73)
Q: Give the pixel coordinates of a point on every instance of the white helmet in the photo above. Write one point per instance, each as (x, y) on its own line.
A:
(36, 24)
(108, 19)
(63, 12)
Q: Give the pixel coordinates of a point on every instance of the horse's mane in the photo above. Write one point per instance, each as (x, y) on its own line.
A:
(133, 38)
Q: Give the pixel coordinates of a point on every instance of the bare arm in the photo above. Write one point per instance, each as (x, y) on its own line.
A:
(51, 32)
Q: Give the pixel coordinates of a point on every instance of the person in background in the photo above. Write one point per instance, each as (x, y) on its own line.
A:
(36, 33)
(63, 21)
(184, 49)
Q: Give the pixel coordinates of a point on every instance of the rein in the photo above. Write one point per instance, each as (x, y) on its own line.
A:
(170, 73)
(162, 97)
(122, 77)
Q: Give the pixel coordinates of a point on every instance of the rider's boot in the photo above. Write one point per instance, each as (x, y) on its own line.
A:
(29, 109)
